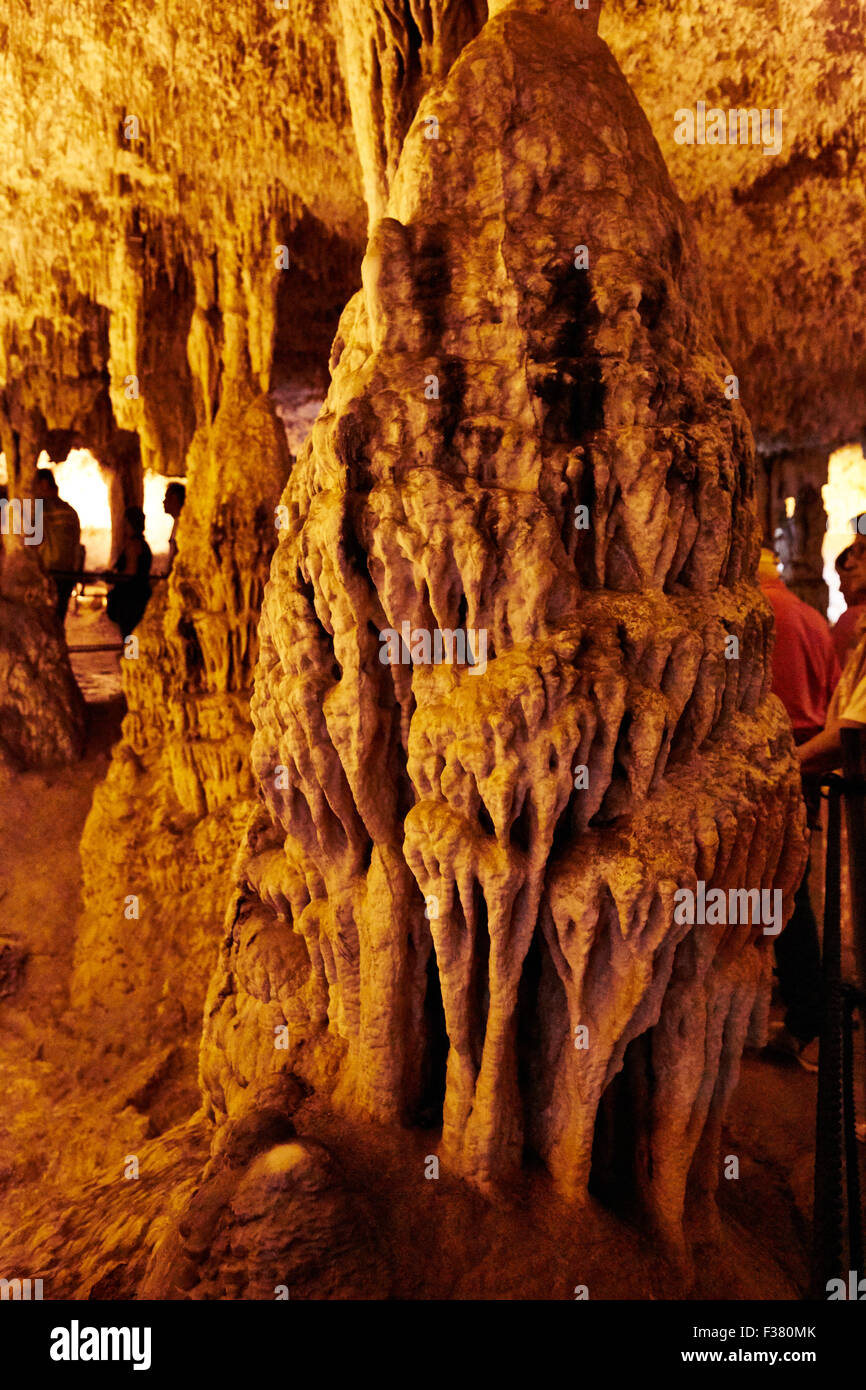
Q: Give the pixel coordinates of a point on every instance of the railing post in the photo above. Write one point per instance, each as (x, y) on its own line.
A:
(853, 757)
(854, 765)
(827, 1235)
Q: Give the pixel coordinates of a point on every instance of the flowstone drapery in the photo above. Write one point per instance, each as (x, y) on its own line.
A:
(459, 889)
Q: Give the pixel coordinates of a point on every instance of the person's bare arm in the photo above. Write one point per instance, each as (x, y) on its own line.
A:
(824, 752)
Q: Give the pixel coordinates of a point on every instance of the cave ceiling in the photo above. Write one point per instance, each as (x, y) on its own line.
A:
(247, 127)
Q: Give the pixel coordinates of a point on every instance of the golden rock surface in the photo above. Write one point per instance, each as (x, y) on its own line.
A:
(606, 648)
(409, 867)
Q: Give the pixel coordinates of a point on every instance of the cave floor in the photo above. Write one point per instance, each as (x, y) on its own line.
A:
(448, 1242)
(96, 672)
(445, 1240)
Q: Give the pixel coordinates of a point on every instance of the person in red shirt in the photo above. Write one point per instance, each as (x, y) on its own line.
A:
(805, 665)
(805, 672)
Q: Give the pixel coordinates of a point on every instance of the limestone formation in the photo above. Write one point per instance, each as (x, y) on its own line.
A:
(429, 871)
(160, 839)
(780, 235)
(800, 539)
(13, 962)
(420, 806)
(272, 1218)
(41, 710)
(390, 54)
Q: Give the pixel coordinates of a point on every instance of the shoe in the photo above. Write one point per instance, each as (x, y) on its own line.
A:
(783, 1043)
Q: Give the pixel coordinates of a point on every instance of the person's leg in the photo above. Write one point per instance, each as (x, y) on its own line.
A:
(115, 609)
(64, 589)
(138, 600)
(798, 965)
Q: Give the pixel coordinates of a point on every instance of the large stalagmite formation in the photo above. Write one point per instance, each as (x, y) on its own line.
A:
(425, 829)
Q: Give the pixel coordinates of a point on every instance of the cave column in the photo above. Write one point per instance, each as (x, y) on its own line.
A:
(22, 435)
(120, 462)
(800, 474)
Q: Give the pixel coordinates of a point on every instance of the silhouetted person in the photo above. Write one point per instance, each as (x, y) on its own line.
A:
(60, 548)
(175, 496)
(129, 597)
(805, 673)
(845, 627)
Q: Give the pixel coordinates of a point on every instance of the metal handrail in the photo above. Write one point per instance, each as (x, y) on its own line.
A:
(99, 576)
(98, 647)
(837, 1216)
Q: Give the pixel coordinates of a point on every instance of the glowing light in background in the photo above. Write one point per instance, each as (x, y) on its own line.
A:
(81, 483)
(844, 496)
(84, 485)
